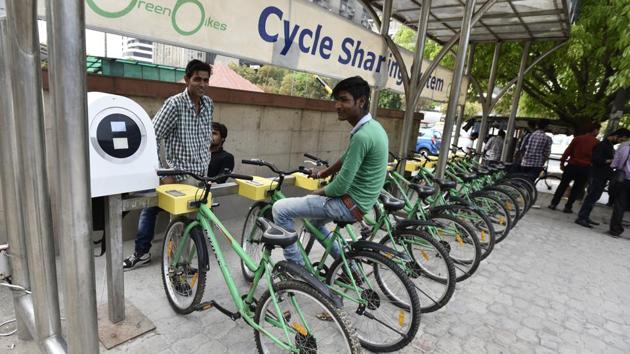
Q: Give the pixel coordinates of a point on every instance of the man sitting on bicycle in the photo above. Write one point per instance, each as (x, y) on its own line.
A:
(361, 171)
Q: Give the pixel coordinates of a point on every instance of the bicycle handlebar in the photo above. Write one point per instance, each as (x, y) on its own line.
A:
(316, 159)
(169, 172)
(272, 167)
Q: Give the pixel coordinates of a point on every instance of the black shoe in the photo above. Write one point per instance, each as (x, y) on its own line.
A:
(552, 207)
(567, 210)
(136, 260)
(592, 222)
(613, 234)
(583, 223)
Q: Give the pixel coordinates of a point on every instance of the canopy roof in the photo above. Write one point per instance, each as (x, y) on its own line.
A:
(506, 20)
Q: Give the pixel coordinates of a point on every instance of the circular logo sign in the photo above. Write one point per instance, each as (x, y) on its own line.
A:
(118, 136)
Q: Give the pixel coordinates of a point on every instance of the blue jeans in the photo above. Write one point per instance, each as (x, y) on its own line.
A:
(146, 229)
(318, 210)
(595, 190)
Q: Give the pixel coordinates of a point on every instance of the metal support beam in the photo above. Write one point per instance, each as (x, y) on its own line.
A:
(28, 106)
(387, 14)
(509, 135)
(66, 39)
(529, 68)
(449, 45)
(462, 107)
(486, 108)
(413, 89)
(9, 178)
(456, 86)
(114, 255)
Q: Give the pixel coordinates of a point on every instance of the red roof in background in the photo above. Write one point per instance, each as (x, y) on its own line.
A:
(223, 76)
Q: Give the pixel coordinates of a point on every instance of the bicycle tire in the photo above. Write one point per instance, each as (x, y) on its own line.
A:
(500, 213)
(465, 268)
(430, 300)
(335, 315)
(508, 201)
(367, 338)
(483, 228)
(197, 287)
(517, 194)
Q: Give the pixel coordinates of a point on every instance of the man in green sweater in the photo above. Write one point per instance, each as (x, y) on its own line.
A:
(360, 171)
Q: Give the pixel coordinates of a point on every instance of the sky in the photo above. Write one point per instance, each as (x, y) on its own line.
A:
(94, 42)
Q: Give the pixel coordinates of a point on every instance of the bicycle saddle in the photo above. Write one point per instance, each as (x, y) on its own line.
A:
(390, 203)
(423, 191)
(446, 185)
(274, 235)
(482, 171)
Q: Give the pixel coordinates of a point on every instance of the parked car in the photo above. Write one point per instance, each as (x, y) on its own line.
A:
(429, 140)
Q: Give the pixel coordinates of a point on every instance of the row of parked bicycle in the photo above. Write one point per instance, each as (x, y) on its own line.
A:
(402, 260)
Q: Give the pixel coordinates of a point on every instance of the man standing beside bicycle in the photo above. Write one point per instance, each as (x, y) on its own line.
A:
(184, 125)
(536, 151)
(360, 172)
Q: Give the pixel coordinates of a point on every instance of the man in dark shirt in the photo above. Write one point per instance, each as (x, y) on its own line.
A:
(579, 154)
(220, 159)
(600, 173)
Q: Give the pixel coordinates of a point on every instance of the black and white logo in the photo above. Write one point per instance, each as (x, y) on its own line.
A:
(118, 136)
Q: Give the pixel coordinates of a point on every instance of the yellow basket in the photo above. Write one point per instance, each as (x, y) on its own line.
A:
(303, 181)
(412, 165)
(176, 198)
(256, 189)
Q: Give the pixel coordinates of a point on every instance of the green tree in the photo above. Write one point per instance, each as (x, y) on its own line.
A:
(577, 83)
(390, 99)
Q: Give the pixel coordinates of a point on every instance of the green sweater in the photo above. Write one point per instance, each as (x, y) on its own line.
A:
(364, 168)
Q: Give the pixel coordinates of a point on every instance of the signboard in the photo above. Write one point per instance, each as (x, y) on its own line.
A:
(294, 34)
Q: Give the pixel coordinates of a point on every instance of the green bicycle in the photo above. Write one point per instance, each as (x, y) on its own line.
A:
(286, 317)
(377, 294)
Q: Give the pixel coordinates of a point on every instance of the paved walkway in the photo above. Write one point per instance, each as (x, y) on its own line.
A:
(551, 286)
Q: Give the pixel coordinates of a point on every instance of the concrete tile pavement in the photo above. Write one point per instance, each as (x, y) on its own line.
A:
(551, 287)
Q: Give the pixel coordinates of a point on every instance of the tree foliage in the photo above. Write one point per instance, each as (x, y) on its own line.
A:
(576, 83)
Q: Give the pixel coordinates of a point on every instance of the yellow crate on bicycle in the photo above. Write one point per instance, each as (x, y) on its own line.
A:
(311, 184)
(255, 189)
(177, 198)
(412, 165)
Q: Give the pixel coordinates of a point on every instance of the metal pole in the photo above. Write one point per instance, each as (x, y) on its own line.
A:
(416, 72)
(67, 36)
(27, 103)
(115, 276)
(486, 108)
(387, 14)
(515, 100)
(460, 116)
(456, 87)
(9, 178)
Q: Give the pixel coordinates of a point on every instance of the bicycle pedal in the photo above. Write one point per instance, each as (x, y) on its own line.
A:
(204, 306)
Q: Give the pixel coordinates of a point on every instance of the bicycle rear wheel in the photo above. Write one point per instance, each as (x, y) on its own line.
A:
(185, 282)
(315, 325)
(386, 311)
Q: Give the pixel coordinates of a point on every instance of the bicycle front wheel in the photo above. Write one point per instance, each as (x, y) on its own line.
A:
(251, 236)
(183, 277)
(313, 324)
(431, 269)
(461, 242)
(384, 306)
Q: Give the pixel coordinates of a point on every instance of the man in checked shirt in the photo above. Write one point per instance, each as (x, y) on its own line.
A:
(184, 125)
(537, 151)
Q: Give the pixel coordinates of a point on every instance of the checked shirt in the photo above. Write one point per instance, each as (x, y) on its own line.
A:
(186, 134)
(537, 150)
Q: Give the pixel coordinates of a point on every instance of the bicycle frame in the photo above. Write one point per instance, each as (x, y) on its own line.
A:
(207, 220)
